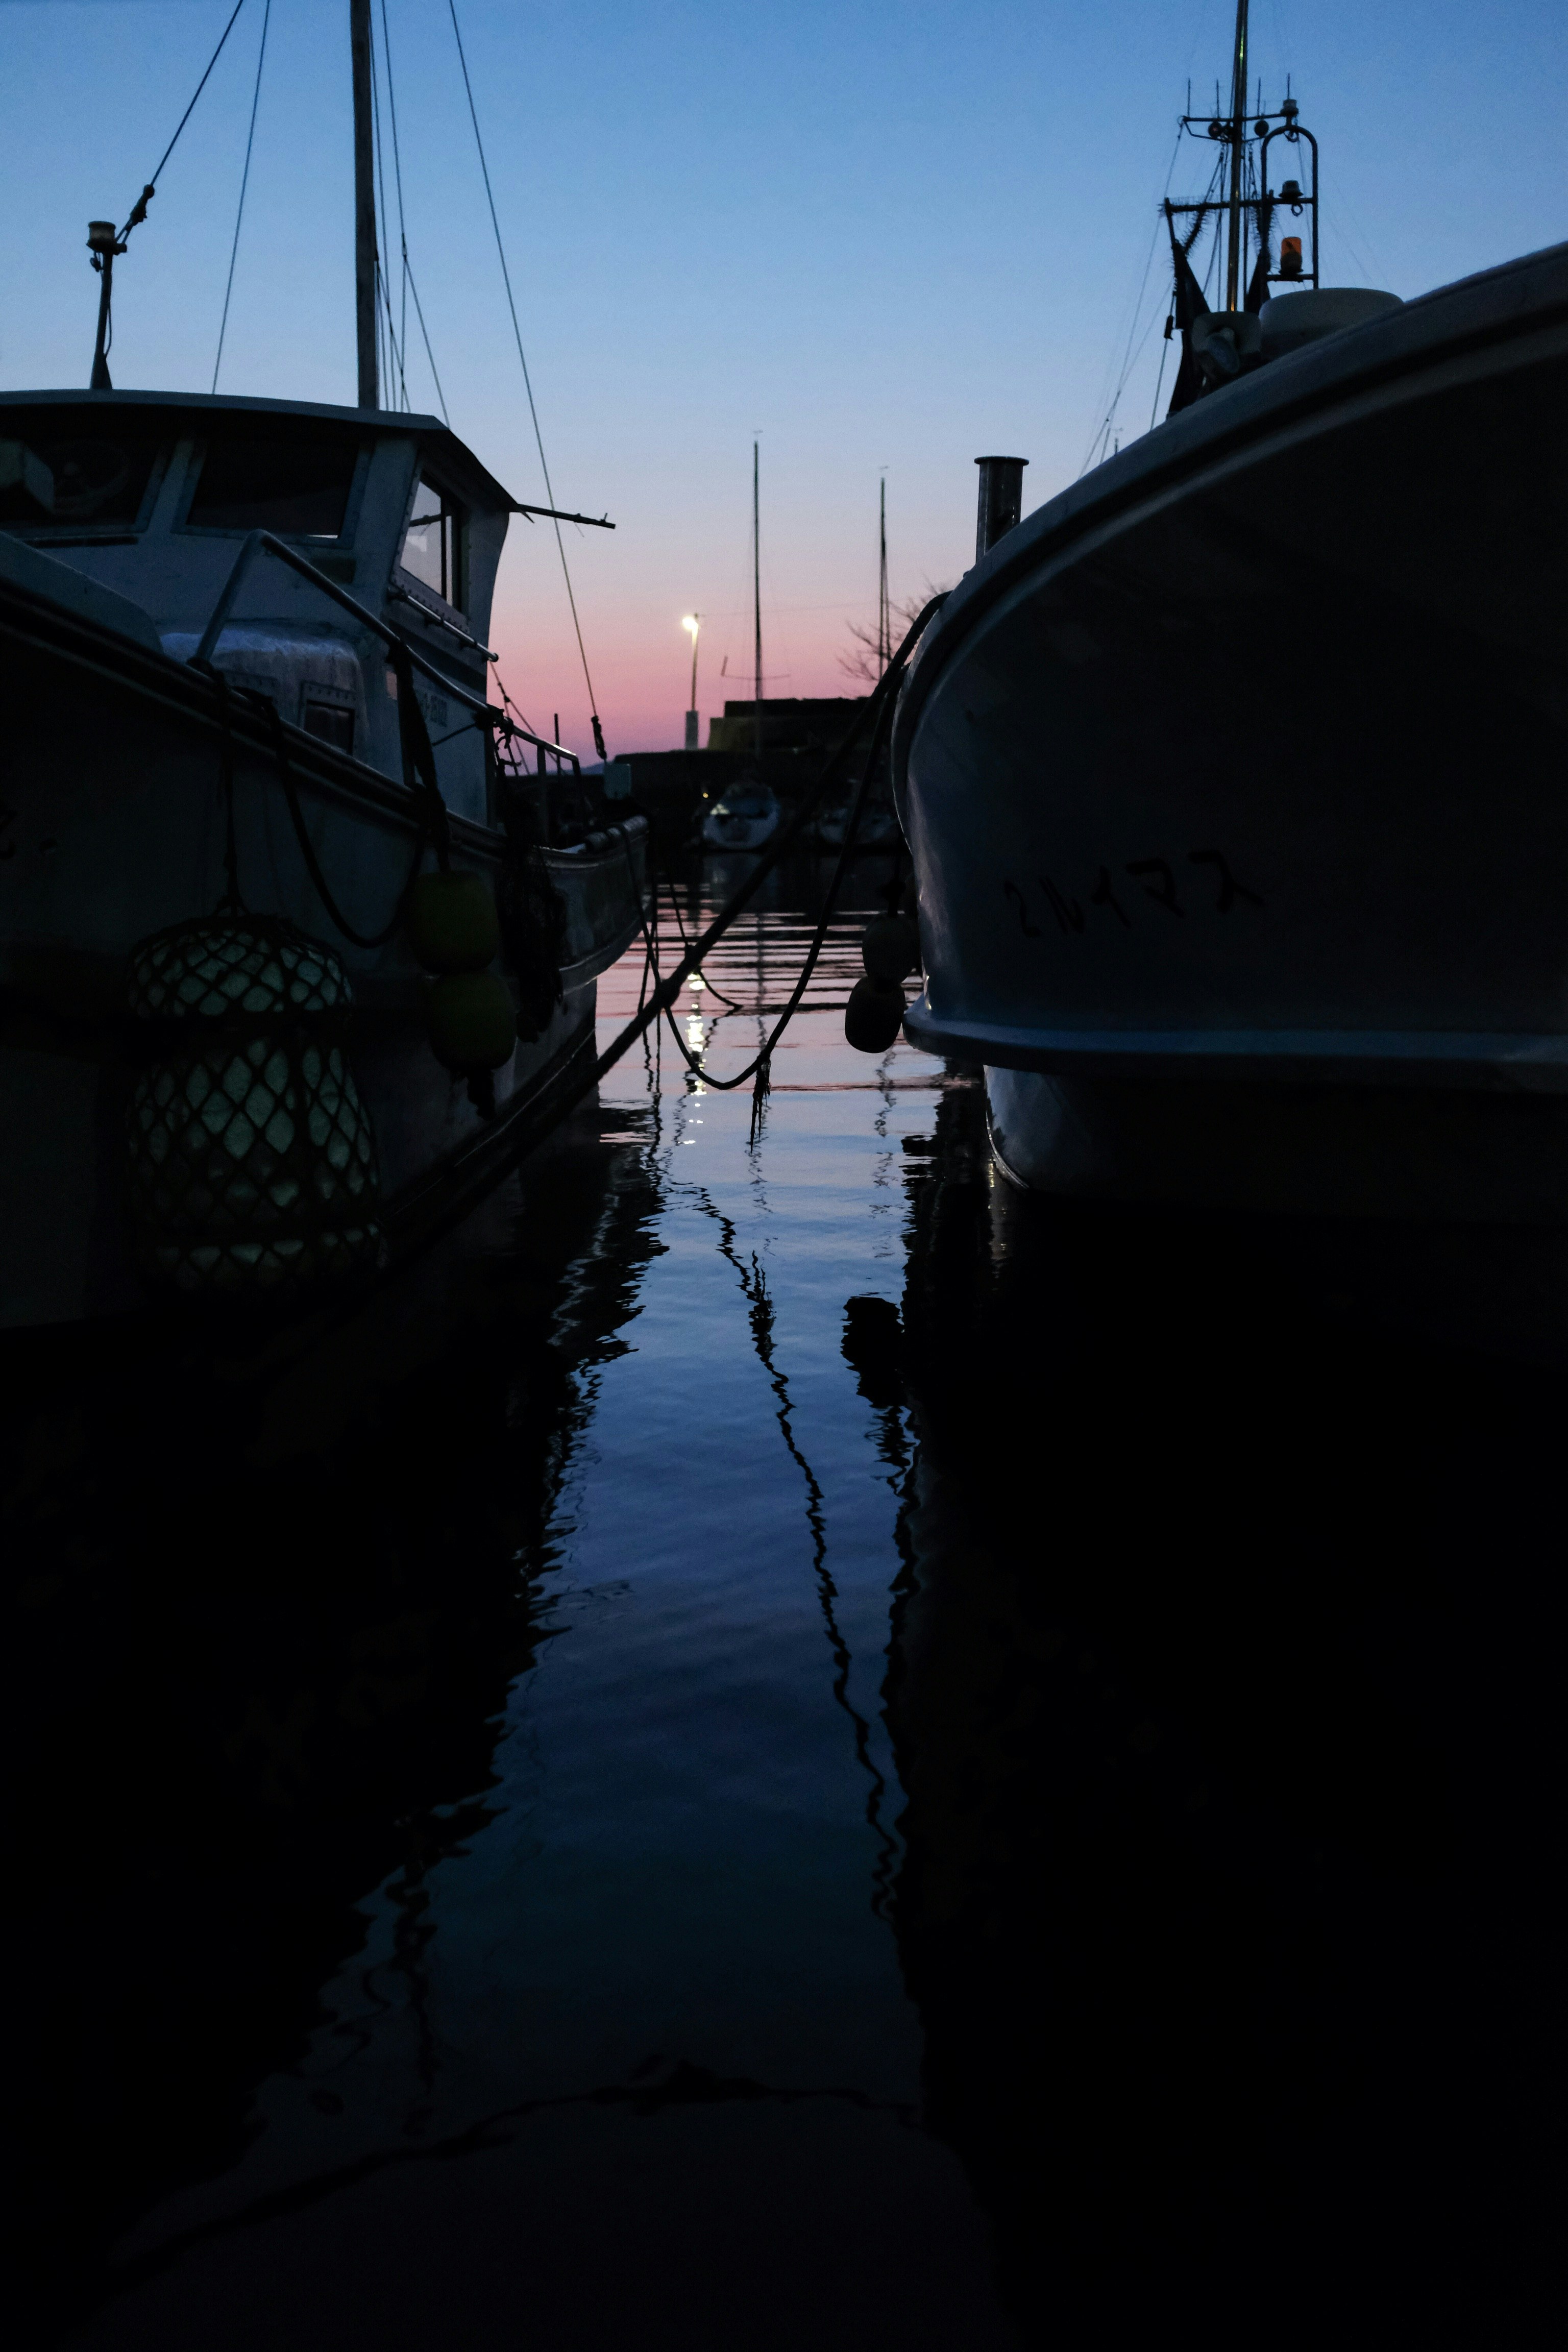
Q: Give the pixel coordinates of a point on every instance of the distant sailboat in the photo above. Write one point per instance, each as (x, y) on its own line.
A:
(748, 815)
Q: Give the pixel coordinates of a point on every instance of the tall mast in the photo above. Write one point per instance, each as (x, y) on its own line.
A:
(757, 593)
(365, 205)
(884, 615)
(1235, 261)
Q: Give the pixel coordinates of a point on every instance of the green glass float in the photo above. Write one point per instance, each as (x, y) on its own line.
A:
(251, 1160)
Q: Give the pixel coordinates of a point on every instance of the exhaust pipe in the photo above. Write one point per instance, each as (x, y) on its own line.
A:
(1001, 500)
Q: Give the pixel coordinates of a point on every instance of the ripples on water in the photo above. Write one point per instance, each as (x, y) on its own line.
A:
(781, 1747)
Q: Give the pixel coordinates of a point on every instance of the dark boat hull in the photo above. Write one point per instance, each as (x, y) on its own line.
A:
(1234, 781)
(114, 828)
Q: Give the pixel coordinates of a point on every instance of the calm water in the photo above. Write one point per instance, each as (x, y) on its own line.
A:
(781, 1747)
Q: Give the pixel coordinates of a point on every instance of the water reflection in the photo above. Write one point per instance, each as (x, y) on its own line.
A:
(1223, 1702)
(787, 1747)
(266, 1661)
(753, 1281)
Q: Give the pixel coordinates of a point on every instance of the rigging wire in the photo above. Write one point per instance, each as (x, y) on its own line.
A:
(408, 284)
(1159, 382)
(510, 708)
(397, 179)
(244, 183)
(1130, 356)
(139, 210)
(390, 356)
(425, 338)
(527, 383)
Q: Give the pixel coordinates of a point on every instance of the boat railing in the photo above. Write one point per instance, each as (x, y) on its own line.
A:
(266, 543)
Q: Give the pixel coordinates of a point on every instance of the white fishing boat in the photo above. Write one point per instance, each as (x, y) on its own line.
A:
(1234, 775)
(246, 696)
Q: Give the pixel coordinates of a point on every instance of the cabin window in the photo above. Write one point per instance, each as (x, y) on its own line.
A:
(295, 484)
(71, 477)
(433, 543)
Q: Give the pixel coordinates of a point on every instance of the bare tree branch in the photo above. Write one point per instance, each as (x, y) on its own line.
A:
(864, 658)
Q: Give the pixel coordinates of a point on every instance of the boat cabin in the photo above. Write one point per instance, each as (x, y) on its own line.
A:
(152, 495)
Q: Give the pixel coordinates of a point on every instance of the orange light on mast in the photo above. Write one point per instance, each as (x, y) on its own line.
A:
(1289, 257)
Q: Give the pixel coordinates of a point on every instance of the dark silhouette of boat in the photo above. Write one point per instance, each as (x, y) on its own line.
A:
(243, 660)
(270, 1611)
(1233, 774)
(1222, 1696)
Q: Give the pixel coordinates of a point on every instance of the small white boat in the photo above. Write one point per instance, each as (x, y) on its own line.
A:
(878, 828)
(746, 818)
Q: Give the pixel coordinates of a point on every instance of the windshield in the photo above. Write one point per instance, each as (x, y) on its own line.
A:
(53, 472)
(294, 483)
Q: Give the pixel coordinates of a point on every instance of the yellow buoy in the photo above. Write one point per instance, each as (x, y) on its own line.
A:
(452, 922)
(472, 1021)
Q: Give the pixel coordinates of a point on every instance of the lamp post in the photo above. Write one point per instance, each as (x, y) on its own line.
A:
(692, 621)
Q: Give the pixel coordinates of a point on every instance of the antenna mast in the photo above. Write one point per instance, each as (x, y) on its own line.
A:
(365, 205)
(1234, 260)
(757, 597)
(884, 613)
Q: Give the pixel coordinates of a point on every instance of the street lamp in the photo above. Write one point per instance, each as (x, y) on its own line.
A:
(692, 621)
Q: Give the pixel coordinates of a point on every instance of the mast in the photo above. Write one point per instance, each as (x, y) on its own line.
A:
(757, 597)
(884, 615)
(365, 205)
(1235, 262)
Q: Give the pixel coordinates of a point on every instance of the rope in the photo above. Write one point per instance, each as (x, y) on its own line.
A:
(710, 986)
(419, 775)
(528, 386)
(418, 755)
(232, 902)
(244, 183)
(139, 210)
(313, 864)
(757, 1068)
(665, 993)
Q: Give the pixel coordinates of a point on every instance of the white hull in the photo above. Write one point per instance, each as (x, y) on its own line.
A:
(1234, 778)
(747, 820)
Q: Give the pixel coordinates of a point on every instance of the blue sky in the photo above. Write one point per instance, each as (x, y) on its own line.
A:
(883, 236)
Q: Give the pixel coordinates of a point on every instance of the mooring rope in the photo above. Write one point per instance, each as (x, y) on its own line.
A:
(879, 707)
(757, 1068)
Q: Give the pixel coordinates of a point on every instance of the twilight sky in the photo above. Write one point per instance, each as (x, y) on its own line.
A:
(883, 236)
